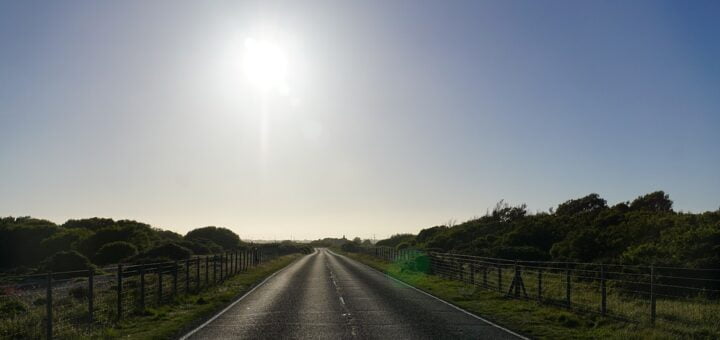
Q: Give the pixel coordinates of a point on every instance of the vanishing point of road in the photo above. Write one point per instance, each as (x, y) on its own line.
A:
(329, 296)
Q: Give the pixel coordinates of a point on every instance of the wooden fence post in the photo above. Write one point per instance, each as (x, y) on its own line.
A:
(119, 290)
(175, 275)
(652, 294)
(142, 287)
(472, 274)
(187, 276)
(91, 307)
(48, 307)
(568, 288)
(197, 274)
(499, 268)
(539, 286)
(484, 269)
(207, 270)
(215, 269)
(160, 284)
(603, 291)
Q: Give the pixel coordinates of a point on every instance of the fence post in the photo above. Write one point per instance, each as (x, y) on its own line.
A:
(652, 294)
(516, 279)
(160, 284)
(197, 274)
(187, 276)
(119, 291)
(472, 274)
(175, 275)
(539, 288)
(567, 284)
(499, 267)
(142, 287)
(461, 271)
(222, 266)
(91, 307)
(207, 270)
(48, 307)
(603, 303)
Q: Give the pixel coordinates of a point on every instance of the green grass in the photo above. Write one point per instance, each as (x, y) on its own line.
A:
(23, 315)
(185, 313)
(545, 321)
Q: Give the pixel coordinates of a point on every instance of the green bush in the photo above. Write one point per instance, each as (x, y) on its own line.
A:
(168, 251)
(115, 252)
(65, 261)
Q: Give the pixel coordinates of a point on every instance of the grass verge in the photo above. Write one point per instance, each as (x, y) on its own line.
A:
(530, 318)
(186, 312)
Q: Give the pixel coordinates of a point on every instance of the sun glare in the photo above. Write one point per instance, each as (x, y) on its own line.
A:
(266, 65)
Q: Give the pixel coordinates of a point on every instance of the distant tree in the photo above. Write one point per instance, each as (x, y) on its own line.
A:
(504, 212)
(92, 224)
(657, 201)
(588, 204)
(222, 236)
(357, 240)
(115, 252)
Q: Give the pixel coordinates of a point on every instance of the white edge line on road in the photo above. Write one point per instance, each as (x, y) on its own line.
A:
(189, 334)
(443, 301)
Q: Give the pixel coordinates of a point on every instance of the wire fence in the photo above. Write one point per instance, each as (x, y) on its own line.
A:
(650, 294)
(74, 304)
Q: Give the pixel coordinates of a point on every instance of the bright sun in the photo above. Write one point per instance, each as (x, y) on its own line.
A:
(266, 65)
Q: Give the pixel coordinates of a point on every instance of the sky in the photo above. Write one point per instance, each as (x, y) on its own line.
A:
(388, 116)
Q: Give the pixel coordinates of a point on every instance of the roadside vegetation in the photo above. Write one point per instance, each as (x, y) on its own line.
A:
(643, 231)
(538, 320)
(187, 312)
(30, 245)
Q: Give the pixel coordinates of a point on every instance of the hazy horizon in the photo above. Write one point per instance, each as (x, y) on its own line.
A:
(352, 118)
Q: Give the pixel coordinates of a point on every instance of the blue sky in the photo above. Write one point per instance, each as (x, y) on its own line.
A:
(400, 115)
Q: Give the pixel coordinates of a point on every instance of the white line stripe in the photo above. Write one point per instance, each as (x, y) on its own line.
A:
(443, 301)
(189, 334)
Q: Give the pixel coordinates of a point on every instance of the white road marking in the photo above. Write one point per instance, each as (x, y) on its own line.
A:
(189, 334)
(443, 301)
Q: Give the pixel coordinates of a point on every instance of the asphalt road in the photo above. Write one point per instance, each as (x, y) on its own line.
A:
(329, 296)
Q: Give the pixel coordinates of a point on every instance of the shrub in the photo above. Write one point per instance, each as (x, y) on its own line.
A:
(115, 252)
(168, 251)
(65, 261)
(221, 236)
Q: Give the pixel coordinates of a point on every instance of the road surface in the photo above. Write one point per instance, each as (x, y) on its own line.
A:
(329, 296)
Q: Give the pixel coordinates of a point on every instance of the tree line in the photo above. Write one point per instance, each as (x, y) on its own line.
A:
(644, 231)
(29, 244)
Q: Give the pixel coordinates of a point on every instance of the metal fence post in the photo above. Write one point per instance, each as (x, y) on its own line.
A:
(484, 269)
(652, 294)
(119, 290)
(48, 309)
(91, 307)
(603, 302)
